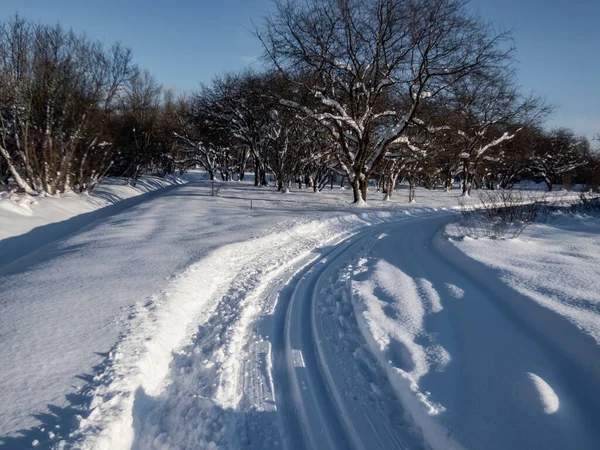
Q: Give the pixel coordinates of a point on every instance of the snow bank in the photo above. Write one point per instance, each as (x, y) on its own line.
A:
(473, 362)
(20, 214)
(550, 279)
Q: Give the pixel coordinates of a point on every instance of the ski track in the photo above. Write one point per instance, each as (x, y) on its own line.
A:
(376, 342)
(247, 346)
(194, 371)
(333, 331)
(219, 391)
(344, 399)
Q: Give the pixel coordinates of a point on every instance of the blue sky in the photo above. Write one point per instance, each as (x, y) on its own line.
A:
(185, 42)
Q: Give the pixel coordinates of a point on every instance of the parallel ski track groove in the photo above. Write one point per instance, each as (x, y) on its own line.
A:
(327, 425)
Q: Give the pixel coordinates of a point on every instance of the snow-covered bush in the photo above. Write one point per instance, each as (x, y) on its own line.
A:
(502, 213)
(589, 203)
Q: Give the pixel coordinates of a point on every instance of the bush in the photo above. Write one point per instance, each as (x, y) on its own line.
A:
(501, 213)
(589, 203)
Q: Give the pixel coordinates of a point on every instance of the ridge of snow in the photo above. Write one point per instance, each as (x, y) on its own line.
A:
(20, 214)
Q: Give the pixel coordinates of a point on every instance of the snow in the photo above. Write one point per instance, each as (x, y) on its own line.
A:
(76, 309)
(20, 214)
(457, 359)
(242, 263)
(553, 275)
(548, 397)
(555, 265)
(189, 321)
(340, 384)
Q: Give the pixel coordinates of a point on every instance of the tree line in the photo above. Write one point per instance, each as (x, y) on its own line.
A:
(369, 92)
(73, 111)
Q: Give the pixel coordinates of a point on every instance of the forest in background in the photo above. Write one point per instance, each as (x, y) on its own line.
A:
(378, 91)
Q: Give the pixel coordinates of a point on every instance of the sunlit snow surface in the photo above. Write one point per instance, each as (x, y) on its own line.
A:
(190, 321)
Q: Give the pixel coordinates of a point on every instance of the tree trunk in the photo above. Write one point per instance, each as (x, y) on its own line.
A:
(449, 179)
(388, 186)
(466, 182)
(242, 166)
(263, 177)
(387, 191)
(15, 174)
(364, 184)
(356, 191)
(256, 174)
(308, 181)
(359, 188)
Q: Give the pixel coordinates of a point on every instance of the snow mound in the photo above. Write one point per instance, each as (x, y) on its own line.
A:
(548, 398)
(20, 214)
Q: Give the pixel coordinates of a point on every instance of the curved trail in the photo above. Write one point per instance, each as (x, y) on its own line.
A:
(384, 343)
(376, 342)
(321, 401)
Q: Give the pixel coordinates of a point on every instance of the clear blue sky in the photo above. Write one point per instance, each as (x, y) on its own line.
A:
(185, 42)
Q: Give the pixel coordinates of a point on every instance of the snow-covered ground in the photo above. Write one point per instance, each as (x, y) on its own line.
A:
(497, 355)
(257, 319)
(22, 213)
(550, 279)
(69, 307)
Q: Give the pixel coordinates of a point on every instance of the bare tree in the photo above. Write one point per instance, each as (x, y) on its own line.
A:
(509, 162)
(483, 108)
(201, 138)
(137, 130)
(354, 55)
(558, 153)
(54, 89)
(241, 106)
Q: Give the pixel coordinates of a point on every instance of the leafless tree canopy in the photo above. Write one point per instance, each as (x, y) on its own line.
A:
(71, 110)
(55, 89)
(368, 92)
(371, 64)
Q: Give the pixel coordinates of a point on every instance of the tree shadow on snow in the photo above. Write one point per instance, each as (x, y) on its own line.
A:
(58, 422)
(17, 247)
